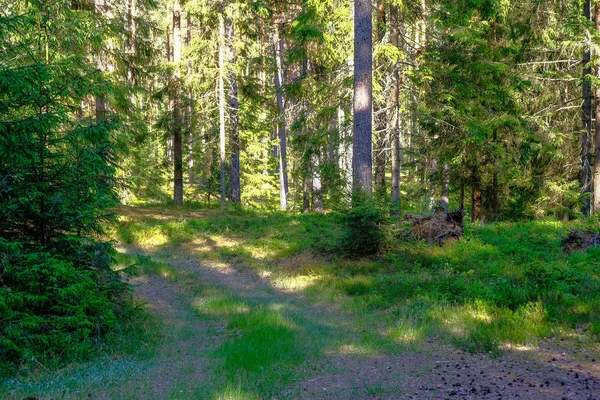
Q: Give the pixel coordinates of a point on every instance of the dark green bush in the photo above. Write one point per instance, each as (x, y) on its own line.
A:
(49, 308)
(363, 235)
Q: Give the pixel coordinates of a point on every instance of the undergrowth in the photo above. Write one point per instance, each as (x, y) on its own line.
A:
(502, 284)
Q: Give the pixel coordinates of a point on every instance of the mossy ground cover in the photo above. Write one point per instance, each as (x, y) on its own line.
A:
(263, 297)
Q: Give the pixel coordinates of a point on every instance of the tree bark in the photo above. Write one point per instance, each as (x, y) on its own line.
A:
(362, 163)
(475, 195)
(177, 114)
(433, 180)
(278, 53)
(597, 131)
(131, 39)
(317, 187)
(189, 111)
(445, 187)
(234, 137)
(395, 133)
(586, 136)
(222, 108)
(380, 115)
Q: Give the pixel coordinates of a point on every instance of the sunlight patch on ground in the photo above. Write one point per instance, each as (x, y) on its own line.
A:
(234, 393)
(478, 312)
(518, 347)
(294, 283)
(212, 244)
(219, 305)
(265, 273)
(357, 350)
(221, 267)
(260, 252)
(405, 333)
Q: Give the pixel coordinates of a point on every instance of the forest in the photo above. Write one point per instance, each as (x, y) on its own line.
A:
(303, 199)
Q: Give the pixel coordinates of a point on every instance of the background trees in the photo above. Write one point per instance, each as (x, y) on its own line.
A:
(481, 103)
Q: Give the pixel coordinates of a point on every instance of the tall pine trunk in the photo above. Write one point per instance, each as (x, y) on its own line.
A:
(222, 108)
(278, 54)
(177, 114)
(586, 136)
(189, 110)
(395, 133)
(597, 131)
(380, 114)
(362, 163)
(234, 136)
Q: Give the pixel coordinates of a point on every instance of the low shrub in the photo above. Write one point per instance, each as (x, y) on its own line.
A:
(363, 235)
(52, 309)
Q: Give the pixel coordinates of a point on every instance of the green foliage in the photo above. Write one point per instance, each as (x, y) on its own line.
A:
(50, 309)
(57, 184)
(364, 235)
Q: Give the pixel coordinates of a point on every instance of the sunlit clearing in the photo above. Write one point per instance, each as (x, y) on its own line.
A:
(405, 333)
(478, 311)
(120, 248)
(295, 283)
(520, 348)
(212, 243)
(265, 274)
(234, 393)
(223, 268)
(219, 305)
(151, 237)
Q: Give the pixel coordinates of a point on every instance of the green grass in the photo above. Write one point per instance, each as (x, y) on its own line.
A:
(502, 286)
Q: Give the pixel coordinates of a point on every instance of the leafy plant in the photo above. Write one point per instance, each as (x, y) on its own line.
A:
(363, 234)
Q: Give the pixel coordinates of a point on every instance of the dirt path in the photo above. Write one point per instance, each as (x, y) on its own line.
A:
(338, 372)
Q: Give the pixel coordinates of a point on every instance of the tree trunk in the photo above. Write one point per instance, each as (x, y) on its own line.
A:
(131, 39)
(317, 188)
(234, 137)
(177, 114)
(278, 53)
(100, 98)
(362, 163)
(475, 196)
(222, 107)
(597, 132)
(395, 132)
(189, 114)
(345, 151)
(380, 115)
(307, 184)
(586, 136)
(432, 182)
(445, 187)
(169, 144)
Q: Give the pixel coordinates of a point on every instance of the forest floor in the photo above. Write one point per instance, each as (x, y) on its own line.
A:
(241, 307)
